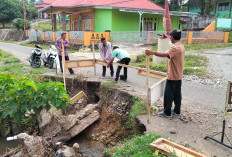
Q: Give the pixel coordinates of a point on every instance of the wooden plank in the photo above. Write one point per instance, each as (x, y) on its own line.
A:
(77, 97)
(158, 83)
(94, 60)
(141, 71)
(79, 63)
(148, 89)
(153, 74)
(167, 147)
(63, 64)
(100, 62)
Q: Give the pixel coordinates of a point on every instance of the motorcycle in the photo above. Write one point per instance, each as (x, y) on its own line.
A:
(50, 56)
(35, 57)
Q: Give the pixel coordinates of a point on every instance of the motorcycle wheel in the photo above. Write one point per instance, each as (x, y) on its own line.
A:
(36, 63)
(50, 63)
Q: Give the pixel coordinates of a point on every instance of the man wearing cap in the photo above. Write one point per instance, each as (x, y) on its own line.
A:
(175, 74)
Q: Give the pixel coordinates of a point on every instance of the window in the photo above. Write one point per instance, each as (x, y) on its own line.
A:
(223, 6)
(87, 24)
(155, 26)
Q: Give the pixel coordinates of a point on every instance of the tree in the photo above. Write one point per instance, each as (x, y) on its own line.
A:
(206, 5)
(174, 5)
(159, 2)
(8, 11)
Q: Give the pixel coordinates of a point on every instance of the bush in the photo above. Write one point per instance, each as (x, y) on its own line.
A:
(19, 23)
(137, 146)
(20, 95)
(142, 58)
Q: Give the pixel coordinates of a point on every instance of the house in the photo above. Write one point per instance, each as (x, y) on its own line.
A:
(220, 8)
(43, 4)
(112, 15)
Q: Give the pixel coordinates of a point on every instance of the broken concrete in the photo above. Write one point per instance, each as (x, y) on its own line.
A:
(63, 127)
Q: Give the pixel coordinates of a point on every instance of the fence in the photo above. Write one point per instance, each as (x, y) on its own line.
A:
(132, 37)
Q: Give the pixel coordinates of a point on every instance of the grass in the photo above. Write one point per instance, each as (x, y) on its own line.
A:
(48, 27)
(194, 64)
(7, 41)
(138, 108)
(195, 47)
(7, 58)
(45, 47)
(110, 85)
(136, 146)
(11, 64)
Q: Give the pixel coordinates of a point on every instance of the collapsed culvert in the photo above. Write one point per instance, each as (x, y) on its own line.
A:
(95, 121)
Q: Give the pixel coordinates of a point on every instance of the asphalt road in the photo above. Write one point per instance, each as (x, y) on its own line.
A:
(210, 96)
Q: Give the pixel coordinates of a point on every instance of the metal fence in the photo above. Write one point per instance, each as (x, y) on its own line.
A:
(76, 34)
(134, 37)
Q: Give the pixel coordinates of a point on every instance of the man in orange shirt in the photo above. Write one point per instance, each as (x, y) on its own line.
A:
(175, 75)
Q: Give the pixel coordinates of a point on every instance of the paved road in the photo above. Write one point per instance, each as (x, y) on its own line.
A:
(213, 98)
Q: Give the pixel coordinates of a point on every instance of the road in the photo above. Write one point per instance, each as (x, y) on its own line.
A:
(215, 97)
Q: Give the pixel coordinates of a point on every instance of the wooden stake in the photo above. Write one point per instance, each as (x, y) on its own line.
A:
(148, 89)
(94, 59)
(63, 64)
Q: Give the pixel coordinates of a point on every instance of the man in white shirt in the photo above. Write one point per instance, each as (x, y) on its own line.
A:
(106, 55)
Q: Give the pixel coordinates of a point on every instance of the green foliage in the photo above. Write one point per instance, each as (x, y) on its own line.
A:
(7, 58)
(138, 108)
(9, 10)
(22, 94)
(110, 84)
(136, 147)
(19, 23)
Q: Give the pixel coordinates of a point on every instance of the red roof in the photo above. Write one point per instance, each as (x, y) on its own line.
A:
(134, 4)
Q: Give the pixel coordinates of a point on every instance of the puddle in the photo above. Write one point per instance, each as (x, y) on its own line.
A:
(5, 145)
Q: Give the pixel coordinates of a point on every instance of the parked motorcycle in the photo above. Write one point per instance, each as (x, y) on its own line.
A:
(50, 56)
(35, 57)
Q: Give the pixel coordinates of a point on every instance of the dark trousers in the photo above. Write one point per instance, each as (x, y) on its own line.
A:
(123, 61)
(111, 70)
(172, 93)
(61, 67)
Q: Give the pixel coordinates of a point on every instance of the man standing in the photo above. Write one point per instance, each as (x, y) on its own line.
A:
(58, 45)
(175, 74)
(124, 58)
(106, 55)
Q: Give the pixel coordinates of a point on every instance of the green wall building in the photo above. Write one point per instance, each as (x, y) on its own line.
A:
(220, 8)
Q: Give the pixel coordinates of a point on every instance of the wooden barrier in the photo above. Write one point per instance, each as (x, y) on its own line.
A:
(79, 63)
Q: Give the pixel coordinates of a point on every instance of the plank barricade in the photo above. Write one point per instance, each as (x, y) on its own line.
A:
(169, 148)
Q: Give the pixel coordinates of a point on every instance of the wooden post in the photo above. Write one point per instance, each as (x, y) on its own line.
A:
(190, 37)
(94, 59)
(148, 89)
(107, 35)
(68, 36)
(54, 36)
(226, 37)
(63, 64)
(87, 38)
(43, 35)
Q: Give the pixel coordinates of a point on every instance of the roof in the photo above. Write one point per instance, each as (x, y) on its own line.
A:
(132, 4)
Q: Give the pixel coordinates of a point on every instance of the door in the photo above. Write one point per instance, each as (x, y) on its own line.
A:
(148, 26)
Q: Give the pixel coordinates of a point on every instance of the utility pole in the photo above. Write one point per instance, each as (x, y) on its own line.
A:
(25, 15)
